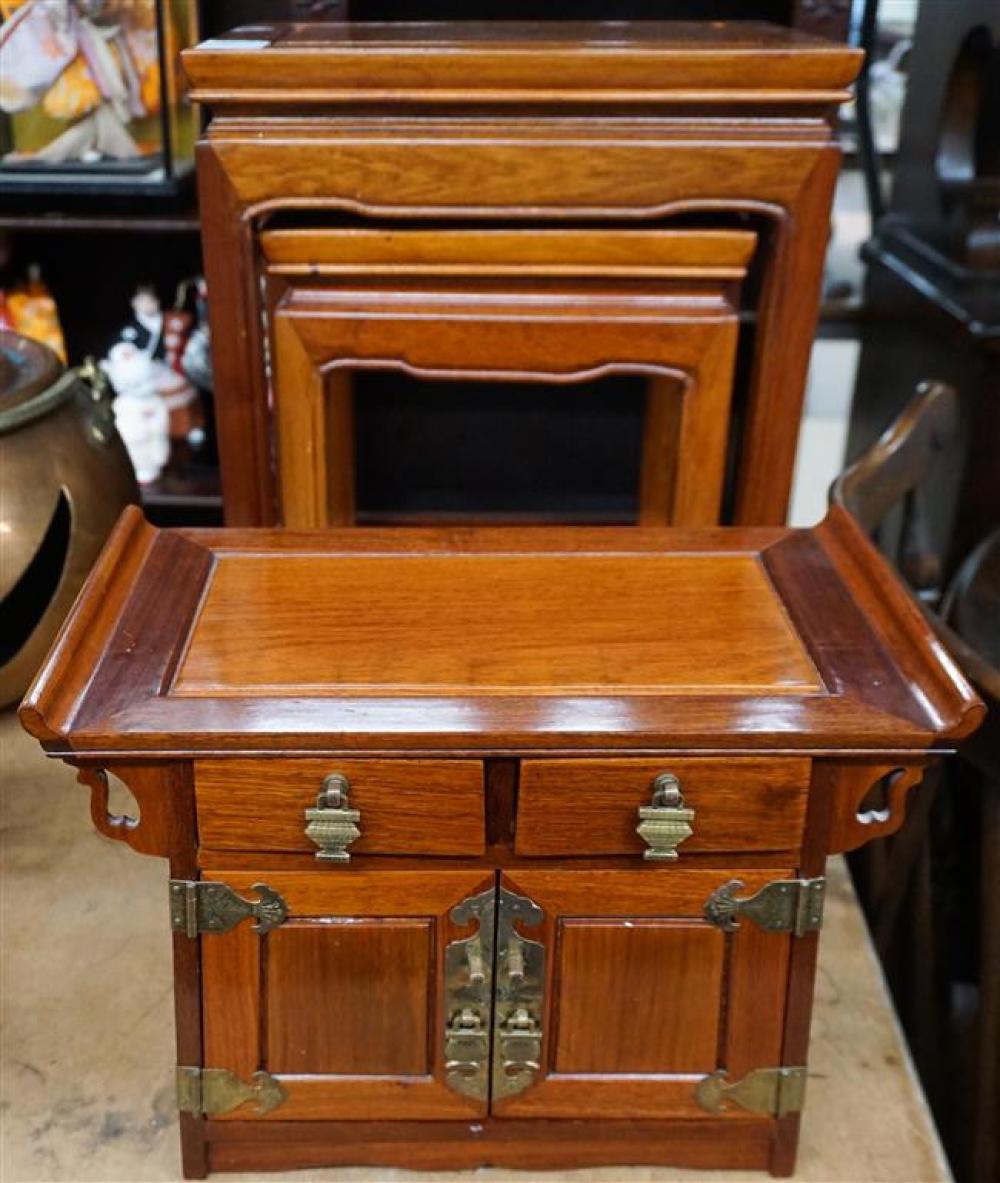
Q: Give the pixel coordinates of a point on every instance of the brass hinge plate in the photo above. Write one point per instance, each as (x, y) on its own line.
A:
(787, 905)
(197, 906)
(773, 1092)
(206, 1092)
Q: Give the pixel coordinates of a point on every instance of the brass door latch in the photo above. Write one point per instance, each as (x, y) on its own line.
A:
(499, 974)
(519, 996)
(665, 822)
(520, 1040)
(466, 1051)
(468, 994)
(332, 824)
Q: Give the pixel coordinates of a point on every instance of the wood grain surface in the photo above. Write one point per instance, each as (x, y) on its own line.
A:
(631, 998)
(624, 946)
(584, 807)
(350, 998)
(343, 1001)
(679, 331)
(408, 807)
(509, 62)
(590, 640)
(702, 254)
(551, 624)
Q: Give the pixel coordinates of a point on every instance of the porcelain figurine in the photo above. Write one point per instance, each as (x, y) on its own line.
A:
(141, 413)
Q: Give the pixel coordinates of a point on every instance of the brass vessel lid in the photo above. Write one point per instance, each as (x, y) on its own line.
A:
(33, 381)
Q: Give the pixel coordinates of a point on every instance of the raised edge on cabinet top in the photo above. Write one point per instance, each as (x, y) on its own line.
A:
(501, 62)
(495, 640)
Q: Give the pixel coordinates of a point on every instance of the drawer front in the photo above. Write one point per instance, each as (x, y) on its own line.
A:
(406, 806)
(591, 807)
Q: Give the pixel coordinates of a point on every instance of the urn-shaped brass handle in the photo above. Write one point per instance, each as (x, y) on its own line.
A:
(665, 822)
(332, 824)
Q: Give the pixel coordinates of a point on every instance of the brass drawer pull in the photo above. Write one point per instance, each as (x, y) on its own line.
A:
(332, 824)
(665, 822)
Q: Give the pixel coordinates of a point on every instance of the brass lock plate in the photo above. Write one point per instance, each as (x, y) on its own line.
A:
(519, 996)
(468, 997)
(493, 998)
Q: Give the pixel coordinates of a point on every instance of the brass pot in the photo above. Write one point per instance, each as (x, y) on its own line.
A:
(64, 479)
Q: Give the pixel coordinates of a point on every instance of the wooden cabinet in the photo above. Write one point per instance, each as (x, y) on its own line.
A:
(468, 217)
(495, 846)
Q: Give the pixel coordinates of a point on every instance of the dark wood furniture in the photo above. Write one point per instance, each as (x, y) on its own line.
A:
(498, 203)
(495, 845)
(930, 891)
(932, 285)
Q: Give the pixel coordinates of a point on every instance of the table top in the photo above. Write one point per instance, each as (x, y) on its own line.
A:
(506, 61)
(496, 640)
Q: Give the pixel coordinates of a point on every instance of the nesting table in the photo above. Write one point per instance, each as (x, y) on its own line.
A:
(420, 211)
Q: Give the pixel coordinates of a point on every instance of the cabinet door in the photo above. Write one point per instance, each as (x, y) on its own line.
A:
(642, 996)
(343, 1001)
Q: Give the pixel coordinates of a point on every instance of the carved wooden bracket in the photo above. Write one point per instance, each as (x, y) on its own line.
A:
(850, 825)
(165, 825)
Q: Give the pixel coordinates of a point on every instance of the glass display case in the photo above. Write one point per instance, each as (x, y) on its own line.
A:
(92, 94)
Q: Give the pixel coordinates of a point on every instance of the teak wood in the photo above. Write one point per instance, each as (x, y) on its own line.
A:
(495, 971)
(485, 165)
(557, 306)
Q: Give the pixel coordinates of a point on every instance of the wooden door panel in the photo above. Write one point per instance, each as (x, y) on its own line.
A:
(317, 967)
(641, 991)
(622, 991)
(343, 1001)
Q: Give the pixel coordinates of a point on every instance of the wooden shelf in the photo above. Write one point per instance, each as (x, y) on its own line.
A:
(187, 492)
(186, 222)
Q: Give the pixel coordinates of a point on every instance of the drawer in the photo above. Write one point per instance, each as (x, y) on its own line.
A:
(407, 807)
(590, 807)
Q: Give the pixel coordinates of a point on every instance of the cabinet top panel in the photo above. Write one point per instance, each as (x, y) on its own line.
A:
(495, 640)
(470, 624)
(505, 62)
